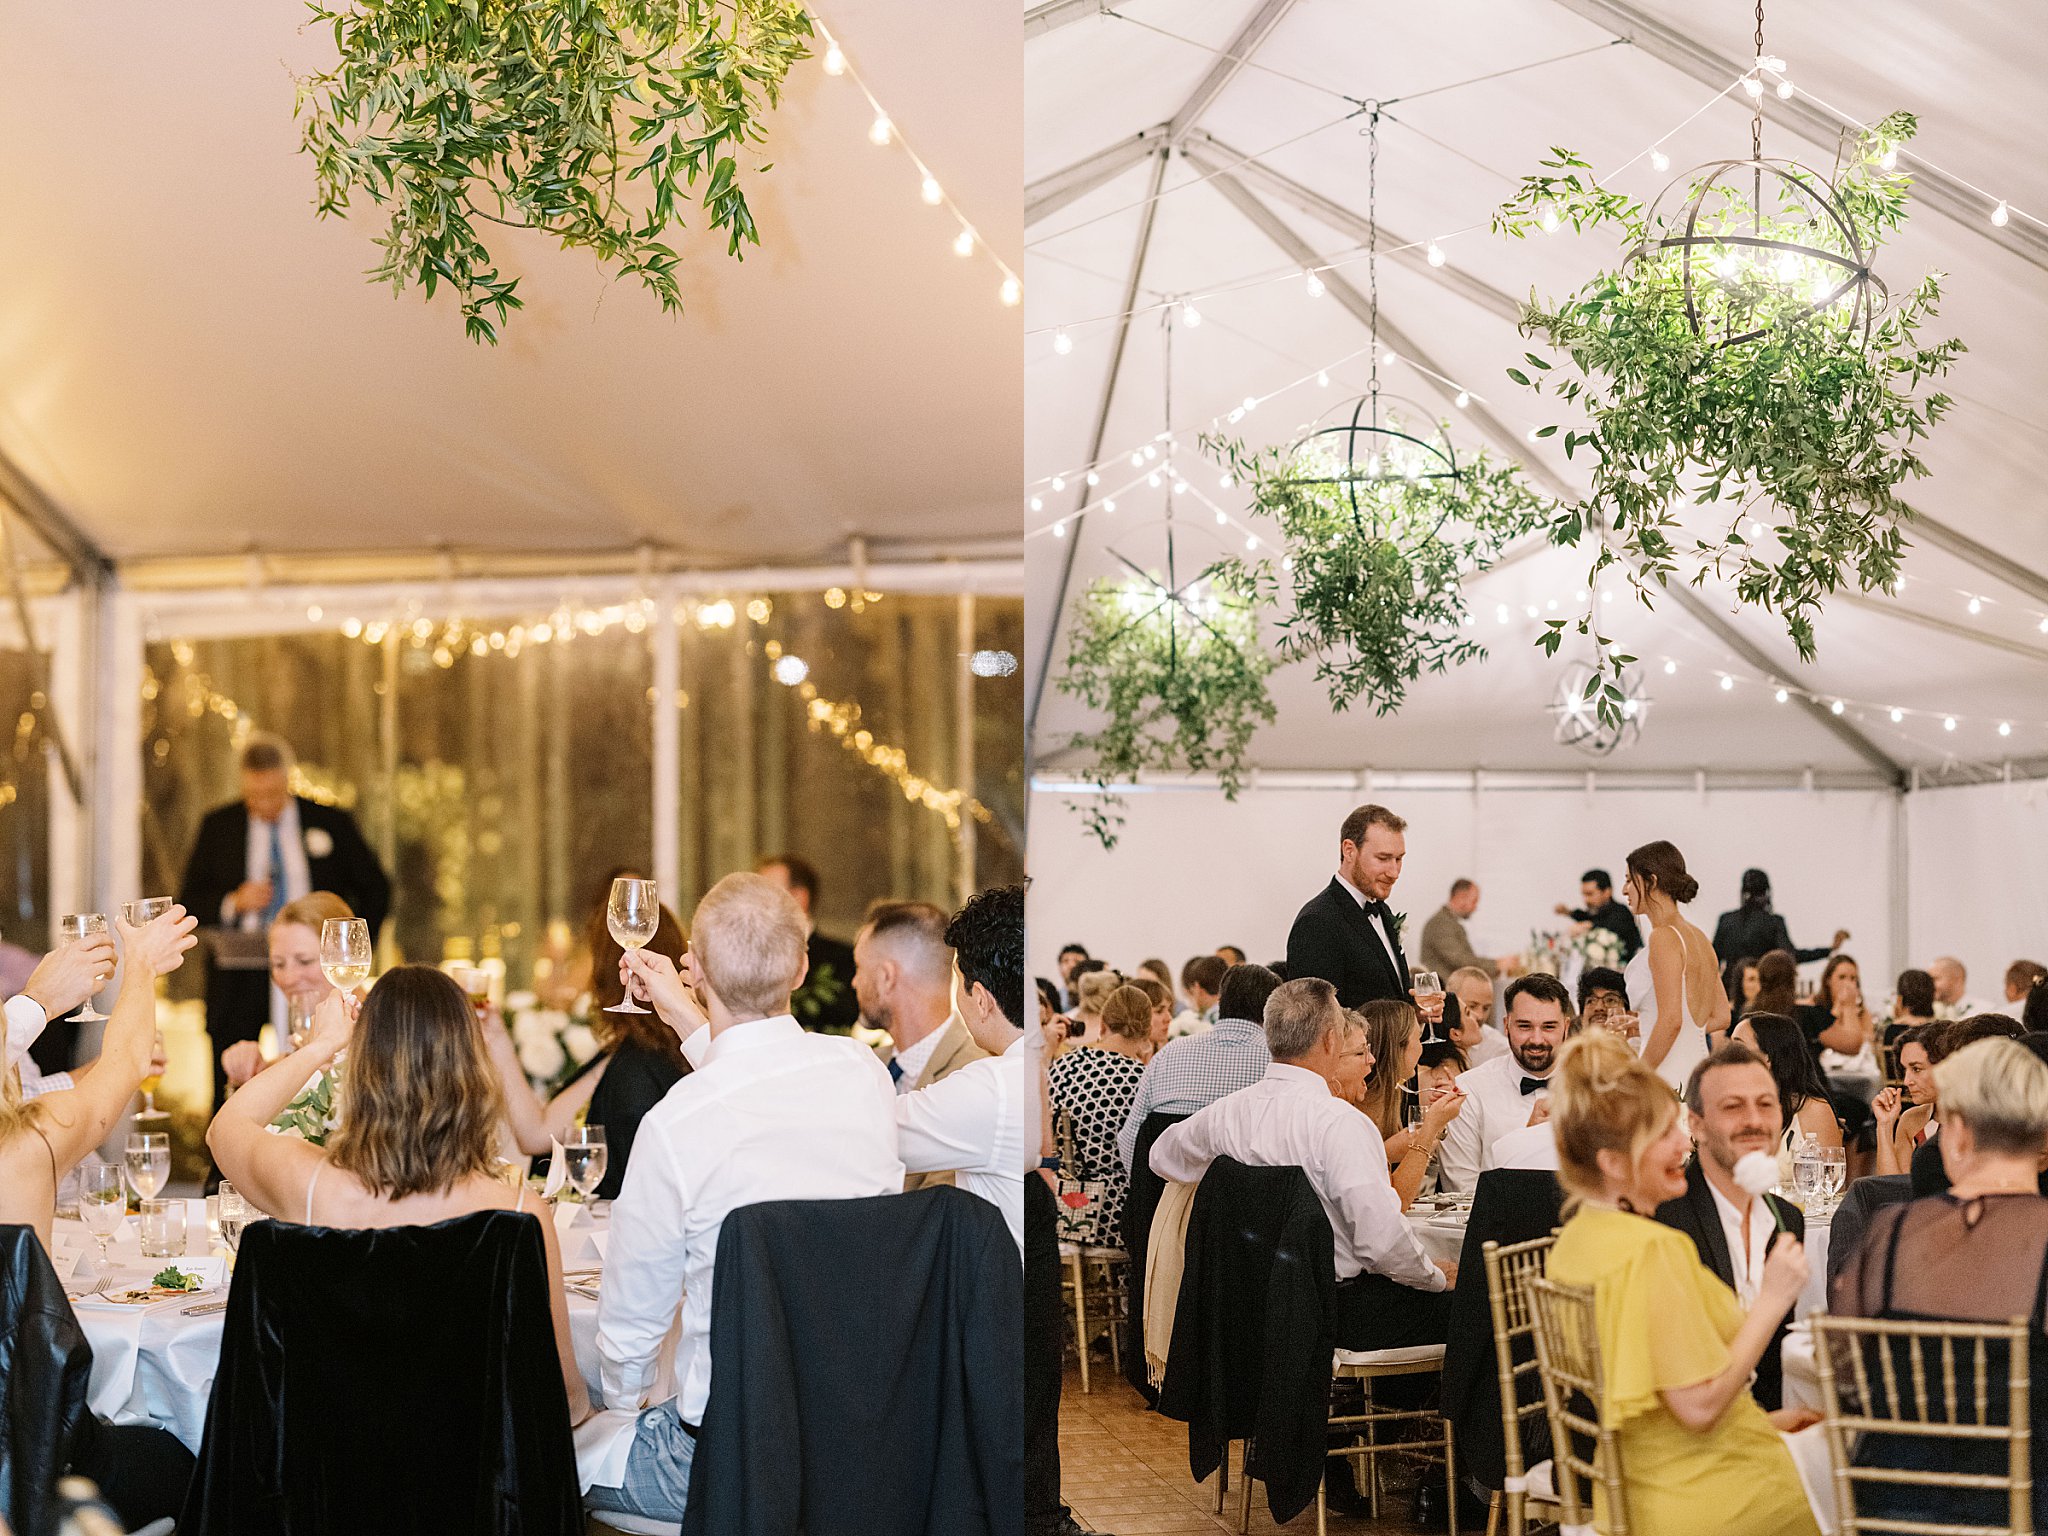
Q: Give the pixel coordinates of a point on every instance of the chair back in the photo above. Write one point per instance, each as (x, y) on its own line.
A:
(404, 1380)
(1568, 1355)
(1507, 1270)
(44, 1366)
(1141, 1202)
(1861, 1201)
(1944, 1395)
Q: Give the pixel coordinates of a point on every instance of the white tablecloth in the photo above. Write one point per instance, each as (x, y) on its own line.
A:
(155, 1364)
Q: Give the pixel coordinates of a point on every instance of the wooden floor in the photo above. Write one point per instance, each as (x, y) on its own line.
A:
(1124, 1470)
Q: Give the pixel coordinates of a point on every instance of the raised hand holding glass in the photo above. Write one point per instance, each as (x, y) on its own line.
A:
(73, 928)
(633, 915)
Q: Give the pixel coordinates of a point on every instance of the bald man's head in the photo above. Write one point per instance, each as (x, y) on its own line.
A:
(903, 969)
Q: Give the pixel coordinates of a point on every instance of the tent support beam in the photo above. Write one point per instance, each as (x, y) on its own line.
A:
(1095, 441)
(1298, 250)
(1049, 194)
(88, 562)
(1943, 626)
(1816, 124)
(1050, 15)
(1986, 559)
(1236, 54)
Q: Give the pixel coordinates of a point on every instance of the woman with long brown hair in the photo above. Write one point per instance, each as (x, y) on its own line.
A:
(1684, 971)
(420, 1111)
(1393, 1031)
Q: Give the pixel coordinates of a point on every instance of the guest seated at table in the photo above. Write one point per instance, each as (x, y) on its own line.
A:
(1202, 980)
(1474, 1035)
(1699, 1457)
(295, 971)
(1803, 1101)
(1906, 1115)
(1093, 982)
(1740, 982)
(420, 1109)
(1603, 1001)
(141, 1470)
(1094, 1086)
(638, 1061)
(1912, 1005)
(769, 1112)
(1839, 1028)
(1975, 1253)
(1777, 986)
(1393, 1034)
(1929, 1172)
(1162, 1011)
(1504, 1094)
(1438, 1071)
(2021, 978)
(1389, 1293)
(1187, 1074)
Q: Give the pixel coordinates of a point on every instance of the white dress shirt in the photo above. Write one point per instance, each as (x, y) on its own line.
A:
(770, 1112)
(1491, 1043)
(25, 1022)
(972, 1121)
(291, 845)
(1494, 1105)
(1745, 1260)
(914, 1060)
(1372, 917)
(1291, 1119)
(1533, 1146)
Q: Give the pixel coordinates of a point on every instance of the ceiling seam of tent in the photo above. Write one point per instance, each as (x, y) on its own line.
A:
(1903, 615)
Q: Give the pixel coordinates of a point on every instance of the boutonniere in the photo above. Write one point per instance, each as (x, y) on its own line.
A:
(1396, 921)
(319, 842)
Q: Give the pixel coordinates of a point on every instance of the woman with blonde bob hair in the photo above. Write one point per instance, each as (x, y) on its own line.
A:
(1699, 1457)
(419, 1106)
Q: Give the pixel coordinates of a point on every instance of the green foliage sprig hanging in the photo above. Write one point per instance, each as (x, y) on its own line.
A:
(1808, 429)
(1375, 578)
(1179, 677)
(543, 114)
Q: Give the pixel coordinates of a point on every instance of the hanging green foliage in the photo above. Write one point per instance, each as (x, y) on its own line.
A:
(1179, 677)
(591, 121)
(1374, 561)
(1740, 360)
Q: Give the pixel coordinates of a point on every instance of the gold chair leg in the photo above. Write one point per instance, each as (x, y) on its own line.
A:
(1493, 1514)
(1116, 1346)
(1322, 1509)
(1244, 1491)
(1081, 1316)
(1372, 1459)
(1450, 1474)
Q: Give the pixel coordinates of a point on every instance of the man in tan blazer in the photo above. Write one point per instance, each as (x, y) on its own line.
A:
(903, 976)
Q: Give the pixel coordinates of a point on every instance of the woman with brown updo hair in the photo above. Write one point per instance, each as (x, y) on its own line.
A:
(1094, 1086)
(1699, 1457)
(1162, 1010)
(1685, 973)
(420, 1110)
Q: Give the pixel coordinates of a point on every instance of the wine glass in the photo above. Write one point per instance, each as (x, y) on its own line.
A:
(1806, 1176)
(1834, 1171)
(583, 1158)
(151, 1083)
(476, 982)
(147, 910)
(82, 925)
(234, 1214)
(149, 1162)
(102, 1206)
(1427, 985)
(345, 952)
(632, 915)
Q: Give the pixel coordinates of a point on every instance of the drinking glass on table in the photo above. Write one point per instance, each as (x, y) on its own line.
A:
(1834, 1173)
(163, 1229)
(633, 914)
(234, 1214)
(102, 1205)
(1806, 1175)
(583, 1159)
(149, 1162)
(345, 952)
(75, 926)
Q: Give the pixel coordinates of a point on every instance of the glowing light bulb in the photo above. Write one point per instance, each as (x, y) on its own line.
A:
(1546, 218)
(1533, 431)
(1388, 359)
(1727, 682)
(1190, 316)
(1670, 667)
(1226, 482)
(932, 192)
(1222, 518)
(1323, 378)
(1012, 292)
(1137, 458)
(1251, 541)
(1372, 467)
(1723, 263)
(1059, 482)
(1287, 564)
(1038, 503)
(1464, 399)
(1784, 90)
(1501, 613)
(1150, 451)
(2000, 215)
(1753, 85)
(1436, 254)
(1250, 404)
(1062, 343)
(1531, 610)
(1659, 161)
(835, 61)
(1059, 530)
(791, 670)
(1949, 723)
(1835, 708)
(1109, 503)
(881, 130)
(1976, 605)
(2005, 727)
(1314, 285)
(1094, 478)
(1781, 695)
(963, 243)
(1898, 715)
(1786, 267)
(1153, 479)
(1889, 160)
(2044, 626)
(1823, 286)
(1180, 487)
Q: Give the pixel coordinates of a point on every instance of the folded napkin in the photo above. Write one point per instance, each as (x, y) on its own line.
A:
(558, 1170)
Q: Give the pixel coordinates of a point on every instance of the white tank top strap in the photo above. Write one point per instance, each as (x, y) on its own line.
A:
(520, 1203)
(310, 1183)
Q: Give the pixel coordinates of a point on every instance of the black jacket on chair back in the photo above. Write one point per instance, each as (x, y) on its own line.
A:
(1252, 1334)
(1141, 1202)
(44, 1366)
(867, 1371)
(401, 1380)
(1509, 1205)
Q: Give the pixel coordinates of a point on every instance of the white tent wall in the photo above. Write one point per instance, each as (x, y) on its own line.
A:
(1192, 870)
(1975, 878)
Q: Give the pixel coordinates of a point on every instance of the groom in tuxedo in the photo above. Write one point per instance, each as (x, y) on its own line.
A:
(1346, 934)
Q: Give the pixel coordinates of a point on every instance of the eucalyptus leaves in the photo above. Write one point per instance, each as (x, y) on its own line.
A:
(1799, 437)
(1179, 676)
(543, 114)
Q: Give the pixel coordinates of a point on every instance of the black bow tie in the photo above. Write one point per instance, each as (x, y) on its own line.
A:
(1376, 909)
(1535, 1085)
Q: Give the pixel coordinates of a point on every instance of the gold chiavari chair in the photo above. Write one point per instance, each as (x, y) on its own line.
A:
(1506, 1270)
(1568, 1357)
(1426, 1429)
(1934, 1382)
(1092, 1273)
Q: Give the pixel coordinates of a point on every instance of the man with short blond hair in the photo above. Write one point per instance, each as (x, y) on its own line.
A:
(1475, 1037)
(825, 1001)
(1951, 990)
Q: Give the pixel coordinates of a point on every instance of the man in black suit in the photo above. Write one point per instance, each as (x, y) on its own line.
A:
(825, 1001)
(1596, 889)
(250, 858)
(1734, 1104)
(1346, 934)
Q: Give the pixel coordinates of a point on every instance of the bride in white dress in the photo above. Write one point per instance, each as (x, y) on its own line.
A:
(1685, 976)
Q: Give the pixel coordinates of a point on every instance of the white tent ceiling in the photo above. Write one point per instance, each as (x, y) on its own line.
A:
(1096, 80)
(192, 364)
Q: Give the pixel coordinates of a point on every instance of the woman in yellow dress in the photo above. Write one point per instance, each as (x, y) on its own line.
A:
(1699, 1457)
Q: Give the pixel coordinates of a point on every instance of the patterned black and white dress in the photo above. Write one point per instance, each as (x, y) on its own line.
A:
(1094, 1087)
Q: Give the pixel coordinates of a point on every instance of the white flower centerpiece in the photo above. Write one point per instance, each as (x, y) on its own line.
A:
(552, 1043)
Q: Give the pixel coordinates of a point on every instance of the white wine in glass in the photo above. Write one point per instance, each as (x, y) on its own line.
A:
(72, 928)
(1427, 985)
(345, 952)
(633, 914)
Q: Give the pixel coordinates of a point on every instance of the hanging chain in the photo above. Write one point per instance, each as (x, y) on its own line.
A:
(1756, 119)
(1372, 248)
(1172, 578)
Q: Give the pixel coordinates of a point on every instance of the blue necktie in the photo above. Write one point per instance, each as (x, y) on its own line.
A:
(895, 1070)
(276, 876)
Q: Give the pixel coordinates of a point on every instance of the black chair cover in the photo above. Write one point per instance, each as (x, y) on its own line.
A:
(403, 1381)
(1141, 1203)
(44, 1366)
(1852, 1217)
(868, 1369)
